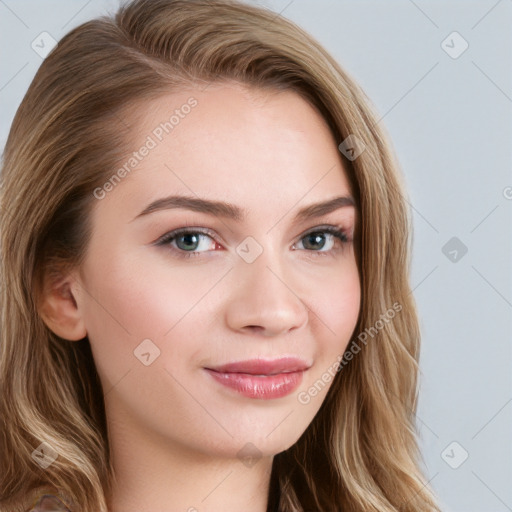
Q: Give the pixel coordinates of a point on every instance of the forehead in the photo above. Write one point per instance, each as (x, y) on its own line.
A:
(255, 148)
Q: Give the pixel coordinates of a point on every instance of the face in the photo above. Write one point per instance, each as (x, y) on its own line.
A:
(162, 314)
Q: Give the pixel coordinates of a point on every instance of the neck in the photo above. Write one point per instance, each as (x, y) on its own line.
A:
(153, 475)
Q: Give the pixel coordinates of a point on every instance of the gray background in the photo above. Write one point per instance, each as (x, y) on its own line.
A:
(450, 123)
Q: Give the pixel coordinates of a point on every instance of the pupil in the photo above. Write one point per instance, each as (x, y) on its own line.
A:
(186, 238)
(315, 237)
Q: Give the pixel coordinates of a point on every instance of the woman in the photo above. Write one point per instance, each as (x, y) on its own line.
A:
(272, 367)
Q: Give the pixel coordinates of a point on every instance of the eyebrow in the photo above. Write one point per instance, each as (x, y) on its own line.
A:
(236, 213)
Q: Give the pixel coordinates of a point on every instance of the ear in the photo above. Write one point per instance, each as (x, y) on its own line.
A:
(59, 311)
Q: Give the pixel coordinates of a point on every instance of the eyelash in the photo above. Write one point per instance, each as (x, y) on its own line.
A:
(337, 232)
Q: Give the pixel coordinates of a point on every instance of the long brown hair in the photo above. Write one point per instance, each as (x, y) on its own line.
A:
(360, 453)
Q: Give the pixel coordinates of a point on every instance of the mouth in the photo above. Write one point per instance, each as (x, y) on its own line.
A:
(261, 379)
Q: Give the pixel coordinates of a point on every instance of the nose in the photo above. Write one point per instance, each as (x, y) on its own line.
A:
(264, 300)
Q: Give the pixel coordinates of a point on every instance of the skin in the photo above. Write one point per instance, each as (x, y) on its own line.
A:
(174, 432)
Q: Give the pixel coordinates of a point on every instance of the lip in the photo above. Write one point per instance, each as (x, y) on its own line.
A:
(264, 366)
(259, 378)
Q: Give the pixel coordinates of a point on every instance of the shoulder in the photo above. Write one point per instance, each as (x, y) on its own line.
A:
(49, 503)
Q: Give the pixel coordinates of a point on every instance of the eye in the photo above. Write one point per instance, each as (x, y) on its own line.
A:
(316, 238)
(186, 242)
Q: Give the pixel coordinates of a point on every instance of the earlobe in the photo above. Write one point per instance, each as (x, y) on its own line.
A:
(60, 312)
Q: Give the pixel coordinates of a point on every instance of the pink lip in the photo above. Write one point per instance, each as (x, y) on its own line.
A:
(258, 378)
(264, 366)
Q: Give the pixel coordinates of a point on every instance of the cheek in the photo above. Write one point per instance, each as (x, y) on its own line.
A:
(123, 305)
(140, 300)
(336, 306)
(334, 314)
(132, 301)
